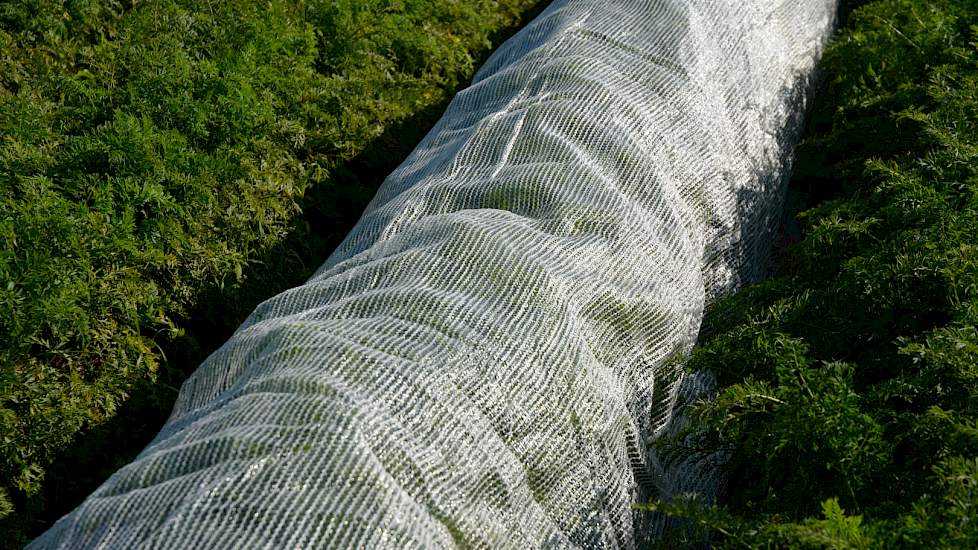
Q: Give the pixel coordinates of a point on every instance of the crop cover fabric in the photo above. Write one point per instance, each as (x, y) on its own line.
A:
(485, 358)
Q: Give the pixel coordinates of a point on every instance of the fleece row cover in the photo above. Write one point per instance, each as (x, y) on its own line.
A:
(485, 358)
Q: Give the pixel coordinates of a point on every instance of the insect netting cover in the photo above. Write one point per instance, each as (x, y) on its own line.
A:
(485, 358)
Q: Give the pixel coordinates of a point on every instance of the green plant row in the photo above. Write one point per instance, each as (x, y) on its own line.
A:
(150, 152)
(847, 406)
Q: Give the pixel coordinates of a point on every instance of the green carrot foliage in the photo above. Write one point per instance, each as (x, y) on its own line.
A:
(847, 402)
(152, 152)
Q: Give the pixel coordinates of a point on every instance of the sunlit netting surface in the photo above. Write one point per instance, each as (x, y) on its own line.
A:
(485, 357)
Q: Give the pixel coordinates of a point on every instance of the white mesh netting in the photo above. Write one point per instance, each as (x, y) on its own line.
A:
(485, 357)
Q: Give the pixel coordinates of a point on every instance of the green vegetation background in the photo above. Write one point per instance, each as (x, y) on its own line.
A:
(164, 167)
(847, 405)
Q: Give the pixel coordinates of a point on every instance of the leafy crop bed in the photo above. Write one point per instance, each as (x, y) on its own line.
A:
(154, 159)
(847, 411)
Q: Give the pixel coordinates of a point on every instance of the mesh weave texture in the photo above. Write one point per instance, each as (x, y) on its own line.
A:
(485, 357)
